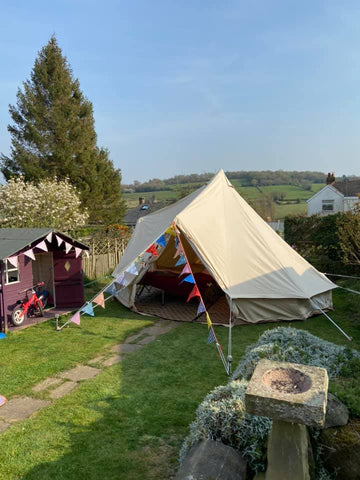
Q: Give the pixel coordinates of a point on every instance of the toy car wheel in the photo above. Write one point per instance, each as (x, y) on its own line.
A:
(16, 317)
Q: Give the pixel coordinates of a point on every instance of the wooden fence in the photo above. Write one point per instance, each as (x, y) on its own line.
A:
(105, 254)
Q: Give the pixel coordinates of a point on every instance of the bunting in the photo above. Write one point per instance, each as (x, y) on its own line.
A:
(111, 289)
(68, 247)
(161, 240)
(49, 237)
(120, 278)
(152, 250)
(178, 252)
(186, 269)
(88, 309)
(201, 308)
(170, 230)
(29, 253)
(211, 337)
(75, 318)
(14, 261)
(181, 260)
(132, 269)
(42, 246)
(99, 300)
(77, 251)
(86, 253)
(194, 293)
(59, 240)
(208, 321)
(188, 279)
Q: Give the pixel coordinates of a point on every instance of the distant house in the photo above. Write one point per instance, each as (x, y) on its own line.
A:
(337, 196)
(133, 214)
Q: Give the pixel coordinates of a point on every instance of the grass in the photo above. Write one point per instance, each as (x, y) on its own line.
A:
(291, 192)
(129, 421)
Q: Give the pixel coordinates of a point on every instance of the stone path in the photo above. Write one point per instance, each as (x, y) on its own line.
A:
(20, 408)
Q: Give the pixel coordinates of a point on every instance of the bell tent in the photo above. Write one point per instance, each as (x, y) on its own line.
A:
(213, 237)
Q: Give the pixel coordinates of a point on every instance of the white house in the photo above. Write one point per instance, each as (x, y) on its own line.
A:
(335, 197)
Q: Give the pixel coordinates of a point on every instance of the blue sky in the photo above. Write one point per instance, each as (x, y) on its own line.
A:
(182, 86)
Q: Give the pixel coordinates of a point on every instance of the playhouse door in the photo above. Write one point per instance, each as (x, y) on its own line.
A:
(43, 271)
(68, 280)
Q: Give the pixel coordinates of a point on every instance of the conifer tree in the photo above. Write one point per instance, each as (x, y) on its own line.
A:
(53, 135)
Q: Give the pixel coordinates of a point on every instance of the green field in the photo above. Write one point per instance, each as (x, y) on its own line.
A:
(297, 196)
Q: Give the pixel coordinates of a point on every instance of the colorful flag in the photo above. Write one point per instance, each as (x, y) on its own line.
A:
(188, 279)
(211, 337)
(30, 254)
(186, 269)
(14, 261)
(208, 321)
(75, 318)
(111, 289)
(152, 250)
(161, 241)
(132, 269)
(194, 293)
(67, 247)
(49, 237)
(178, 252)
(42, 246)
(77, 251)
(176, 242)
(170, 231)
(181, 260)
(59, 240)
(120, 279)
(201, 308)
(88, 309)
(99, 300)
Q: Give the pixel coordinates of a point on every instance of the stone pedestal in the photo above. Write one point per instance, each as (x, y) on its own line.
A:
(287, 452)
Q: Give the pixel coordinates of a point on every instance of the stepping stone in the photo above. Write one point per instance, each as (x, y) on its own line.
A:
(48, 382)
(20, 408)
(4, 426)
(126, 348)
(133, 338)
(160, 329)
(112, 361)
(62, 390)
(81, 372)
(96, 359)
(147, 340)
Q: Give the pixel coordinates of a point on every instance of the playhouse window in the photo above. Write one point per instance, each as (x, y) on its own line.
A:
(11, 273)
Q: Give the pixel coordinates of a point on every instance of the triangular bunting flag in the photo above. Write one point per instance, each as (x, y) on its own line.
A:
(30, 254)
(170, 231)
(77, 251)
(49, 237)
(120, 279)
(75, 318)
(67, 247)
(188, 279)
(176, 242)
(211, 337)
(99, 300)
(201, 308)
(42, 246)
(59, 240)
(132, 269)
(178, 252)
(161, 241)
(186, 269)
(194, 293)
(14, 261)
(181, 260)
(208, 321)
(86, 253)
(111, 289)
(152, 250)
(88, 309)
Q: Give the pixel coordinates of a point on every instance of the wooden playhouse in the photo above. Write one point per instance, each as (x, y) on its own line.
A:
(32, 255)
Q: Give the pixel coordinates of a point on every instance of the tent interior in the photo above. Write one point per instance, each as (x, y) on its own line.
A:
(161, 291)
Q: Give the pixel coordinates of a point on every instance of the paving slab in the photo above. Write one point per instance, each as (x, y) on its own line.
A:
(133, 338)
(20, 408)
(126, 348)
(112, 360)
(97, 359)
(47, 383)
(62, 390)
(81, 372)
(147, 340)
(160, 329)
(4, 426)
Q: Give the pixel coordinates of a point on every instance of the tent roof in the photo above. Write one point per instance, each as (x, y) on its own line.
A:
(241, 251)
(14, 239)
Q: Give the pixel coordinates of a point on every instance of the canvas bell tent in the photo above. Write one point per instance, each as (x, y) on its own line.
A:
(214, 236)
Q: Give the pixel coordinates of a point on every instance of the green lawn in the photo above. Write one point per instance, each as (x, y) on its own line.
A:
(129, 422)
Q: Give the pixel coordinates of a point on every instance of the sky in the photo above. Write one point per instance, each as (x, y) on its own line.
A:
(192, 86)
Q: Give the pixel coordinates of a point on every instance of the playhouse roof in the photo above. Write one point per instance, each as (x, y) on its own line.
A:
(14, 239)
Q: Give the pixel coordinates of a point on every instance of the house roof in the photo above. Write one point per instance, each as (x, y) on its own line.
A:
(350, 188)
(327, 187)
(14, 239)
(133, 214)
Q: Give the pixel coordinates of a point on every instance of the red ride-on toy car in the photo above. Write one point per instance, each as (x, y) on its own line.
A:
(32, 306)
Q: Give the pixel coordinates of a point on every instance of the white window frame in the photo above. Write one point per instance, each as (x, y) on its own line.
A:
(8, 269)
